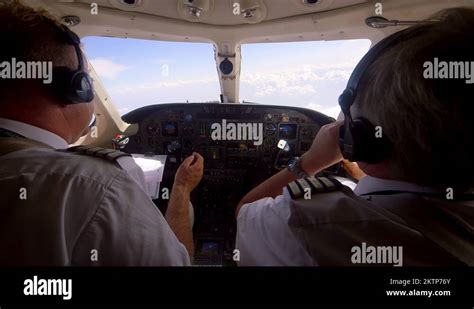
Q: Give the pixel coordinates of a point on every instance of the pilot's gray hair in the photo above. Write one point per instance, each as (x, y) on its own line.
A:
(429, 121)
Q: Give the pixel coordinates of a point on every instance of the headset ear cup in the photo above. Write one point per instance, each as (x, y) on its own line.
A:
(346, 141)
(72, 87)
(61, 83)
(367, 146)
(81, 89)
(361, 140)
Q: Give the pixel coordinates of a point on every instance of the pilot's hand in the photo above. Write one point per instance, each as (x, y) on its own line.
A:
(324, 151)
(190, 172)
(353, 169)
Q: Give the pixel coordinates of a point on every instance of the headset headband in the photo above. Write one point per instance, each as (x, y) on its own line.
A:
(70, 38)
(73, 86)
(348, 96)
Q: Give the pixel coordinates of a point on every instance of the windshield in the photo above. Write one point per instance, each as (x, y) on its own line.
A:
(138, 73)
(302, 74)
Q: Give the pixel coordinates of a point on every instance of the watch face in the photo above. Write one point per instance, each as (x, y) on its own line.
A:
(292, 162)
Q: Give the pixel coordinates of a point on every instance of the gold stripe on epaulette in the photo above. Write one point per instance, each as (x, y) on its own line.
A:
(93, 150)
(113, 156)
(294, 190)
(304, 185)
(327, 183)
(104, 153)
(79, 149)
(315, 184)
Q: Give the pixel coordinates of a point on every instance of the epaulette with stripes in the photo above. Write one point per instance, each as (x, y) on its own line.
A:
(104, 153)
(300, 187)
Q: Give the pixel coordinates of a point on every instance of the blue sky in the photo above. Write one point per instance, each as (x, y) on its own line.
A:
(137, 73)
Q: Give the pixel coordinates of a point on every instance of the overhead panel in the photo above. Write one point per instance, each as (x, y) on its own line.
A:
(222, 12)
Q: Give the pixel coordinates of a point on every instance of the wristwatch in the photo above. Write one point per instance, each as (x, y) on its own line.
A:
(294, 166)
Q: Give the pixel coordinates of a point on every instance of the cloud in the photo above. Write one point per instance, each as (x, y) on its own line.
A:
(107, 68)
(267, 90)
(159, 85)
(300, 83)
(332, 111)
(298, 86)
(296, 81)
(134, 95)
(163, 61)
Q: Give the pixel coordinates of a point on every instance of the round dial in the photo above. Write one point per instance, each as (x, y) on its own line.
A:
(153, 129)
(268, 117)
(173, 146)
(268, 142)
(170, 129)
(270, 129)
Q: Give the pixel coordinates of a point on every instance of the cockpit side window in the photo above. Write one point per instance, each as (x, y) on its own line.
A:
(138, 73)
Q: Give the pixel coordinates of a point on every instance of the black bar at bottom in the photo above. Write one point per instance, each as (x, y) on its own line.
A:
(243, 285)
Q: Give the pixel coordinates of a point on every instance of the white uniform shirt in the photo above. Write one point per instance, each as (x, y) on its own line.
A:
(34, 133)
(79, 210)
(265, 239)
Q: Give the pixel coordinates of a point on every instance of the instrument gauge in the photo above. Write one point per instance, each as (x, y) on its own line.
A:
(268, 117)
(153, 129)
(270, 129)
(268, 142)
(306, 132)
(170, 129)
(173, 146)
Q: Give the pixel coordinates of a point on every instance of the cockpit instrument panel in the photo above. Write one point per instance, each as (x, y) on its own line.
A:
(239, 145)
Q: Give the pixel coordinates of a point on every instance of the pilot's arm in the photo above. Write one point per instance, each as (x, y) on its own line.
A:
(324, 152)
(187, 178)
(263, 235)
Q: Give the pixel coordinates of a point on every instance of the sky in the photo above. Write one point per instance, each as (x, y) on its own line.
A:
(137, 73)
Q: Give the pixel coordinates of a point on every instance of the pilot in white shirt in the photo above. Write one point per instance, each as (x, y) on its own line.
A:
(277, 225)
(264, 237)
(81, 206)
(80, 210)
(398, 126)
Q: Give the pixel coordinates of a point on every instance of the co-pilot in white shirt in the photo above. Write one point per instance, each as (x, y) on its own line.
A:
(78, 210)
(265, 239)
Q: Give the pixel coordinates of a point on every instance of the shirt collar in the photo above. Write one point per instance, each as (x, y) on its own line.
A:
(34, 133)
(369, 184)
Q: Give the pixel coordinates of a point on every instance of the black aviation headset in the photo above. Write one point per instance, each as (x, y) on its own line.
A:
(72, 86)
(357, 138)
